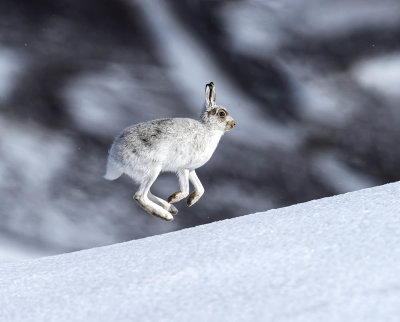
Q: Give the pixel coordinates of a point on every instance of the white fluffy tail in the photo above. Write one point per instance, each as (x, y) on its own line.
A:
(112, 172)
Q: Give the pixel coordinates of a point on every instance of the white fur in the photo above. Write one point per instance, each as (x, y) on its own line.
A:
(178, 145)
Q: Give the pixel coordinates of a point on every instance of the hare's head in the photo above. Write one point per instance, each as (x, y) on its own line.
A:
(215, 115)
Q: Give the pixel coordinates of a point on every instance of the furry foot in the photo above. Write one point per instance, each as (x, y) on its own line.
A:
(177, 196)
(168, 217)
(164, 217)
(172, 209)
(193, 198)
(153, 209)
(161, 202)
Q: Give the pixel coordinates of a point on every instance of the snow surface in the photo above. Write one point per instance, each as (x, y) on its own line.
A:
(334, 259)
(11, 251)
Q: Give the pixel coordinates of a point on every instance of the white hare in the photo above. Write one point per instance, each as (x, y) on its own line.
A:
(178, 145)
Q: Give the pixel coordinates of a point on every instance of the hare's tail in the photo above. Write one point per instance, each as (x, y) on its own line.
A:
(112, 172)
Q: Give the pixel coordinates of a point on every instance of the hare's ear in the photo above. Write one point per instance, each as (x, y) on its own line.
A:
(210, 95)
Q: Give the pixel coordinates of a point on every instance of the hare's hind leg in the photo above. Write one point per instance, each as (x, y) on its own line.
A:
(166, 205)
(198, 189)
(183, 176)
(142, 198)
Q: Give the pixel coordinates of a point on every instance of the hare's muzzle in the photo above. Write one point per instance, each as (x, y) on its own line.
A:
(230, 125)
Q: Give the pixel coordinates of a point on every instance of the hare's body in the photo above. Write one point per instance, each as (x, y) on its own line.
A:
(143, 146)
(178, 145)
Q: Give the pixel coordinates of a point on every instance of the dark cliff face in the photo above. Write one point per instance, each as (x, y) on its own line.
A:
(74, 74)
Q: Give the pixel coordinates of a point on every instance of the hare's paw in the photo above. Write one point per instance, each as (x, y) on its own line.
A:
(168, 207)
(165, 216)
(172, 209)
(153, 209)
(177, 196)
(193, 198)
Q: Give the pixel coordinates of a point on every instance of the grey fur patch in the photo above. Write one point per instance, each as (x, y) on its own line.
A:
(145, 141)
(163, 122)
(212, 111)
(156, 134)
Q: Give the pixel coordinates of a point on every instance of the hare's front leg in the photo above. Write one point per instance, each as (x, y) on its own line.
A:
(183, 176)
(198, 189)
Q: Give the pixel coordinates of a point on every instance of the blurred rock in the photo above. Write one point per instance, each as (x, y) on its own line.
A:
(313, 86)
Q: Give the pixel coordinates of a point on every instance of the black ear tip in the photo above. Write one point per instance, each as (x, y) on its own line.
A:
(211, 84)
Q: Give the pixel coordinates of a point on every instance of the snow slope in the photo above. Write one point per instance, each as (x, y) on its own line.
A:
(335, 259)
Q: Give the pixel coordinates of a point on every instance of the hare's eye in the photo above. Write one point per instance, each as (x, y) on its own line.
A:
(221, 114)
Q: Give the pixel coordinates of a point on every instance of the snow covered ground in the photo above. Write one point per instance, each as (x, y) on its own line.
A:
(334, 259)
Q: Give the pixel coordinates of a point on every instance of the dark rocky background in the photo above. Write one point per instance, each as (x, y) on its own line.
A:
(313, 85)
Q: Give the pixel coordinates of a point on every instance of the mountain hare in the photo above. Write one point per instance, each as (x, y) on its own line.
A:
(178, 145)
